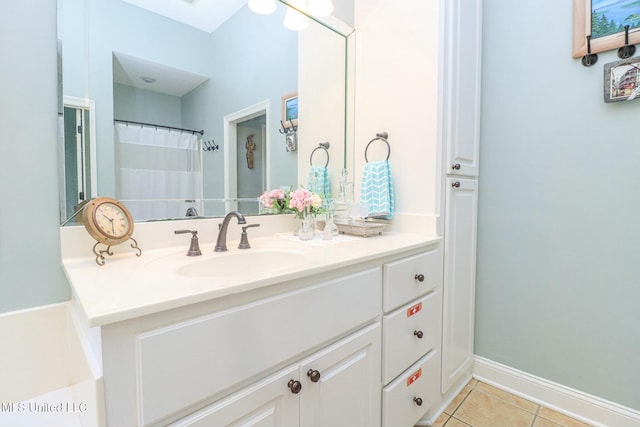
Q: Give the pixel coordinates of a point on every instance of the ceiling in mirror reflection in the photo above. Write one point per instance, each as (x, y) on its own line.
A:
(204, 15)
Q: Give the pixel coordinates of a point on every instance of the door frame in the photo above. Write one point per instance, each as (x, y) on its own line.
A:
(230, 152)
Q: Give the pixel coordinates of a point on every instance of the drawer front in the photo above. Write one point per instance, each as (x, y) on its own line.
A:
(410, 396)
(180, 365)
(401, 282)
(409, 333)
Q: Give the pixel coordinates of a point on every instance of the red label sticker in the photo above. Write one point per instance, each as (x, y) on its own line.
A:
(414, 309)
(413, 378)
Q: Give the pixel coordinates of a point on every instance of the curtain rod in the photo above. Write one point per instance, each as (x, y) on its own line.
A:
(201, 132)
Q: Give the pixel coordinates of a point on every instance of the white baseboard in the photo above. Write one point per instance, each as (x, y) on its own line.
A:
(576, 404)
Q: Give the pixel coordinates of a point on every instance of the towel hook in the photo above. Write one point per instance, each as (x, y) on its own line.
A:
(383, 136)
(322, 146)
(628, 50)
(590, 58)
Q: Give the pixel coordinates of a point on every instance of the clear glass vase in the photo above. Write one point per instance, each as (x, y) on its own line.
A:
(306, 227)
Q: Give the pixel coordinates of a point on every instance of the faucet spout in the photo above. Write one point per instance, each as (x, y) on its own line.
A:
(221, 243)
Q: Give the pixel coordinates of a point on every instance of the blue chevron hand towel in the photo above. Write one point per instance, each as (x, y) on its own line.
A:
(318, 181)
(376, 190)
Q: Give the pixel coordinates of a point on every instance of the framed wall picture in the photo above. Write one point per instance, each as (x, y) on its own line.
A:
(290, 110)
(604, 21)
(622, 80)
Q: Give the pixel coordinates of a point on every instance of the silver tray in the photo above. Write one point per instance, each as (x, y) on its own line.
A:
(364, 229)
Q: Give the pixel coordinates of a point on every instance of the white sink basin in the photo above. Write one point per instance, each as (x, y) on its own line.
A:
(243, 263)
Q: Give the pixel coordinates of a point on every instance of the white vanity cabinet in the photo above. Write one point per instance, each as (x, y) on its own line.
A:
(243, 358)
(459, 278)
(462, 45)
(411, 334)
(337, 386)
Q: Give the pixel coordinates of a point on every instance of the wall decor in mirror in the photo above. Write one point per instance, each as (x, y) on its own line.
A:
(156, 83)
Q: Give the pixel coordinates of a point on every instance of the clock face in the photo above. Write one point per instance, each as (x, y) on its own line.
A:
(111, 220)
(107, 220)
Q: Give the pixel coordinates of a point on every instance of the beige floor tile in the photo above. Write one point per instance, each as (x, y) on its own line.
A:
(527, 405)
(456, 423)
(451, 408)
(542, 422)
(441, 421)
(483, 410)
(559, 418)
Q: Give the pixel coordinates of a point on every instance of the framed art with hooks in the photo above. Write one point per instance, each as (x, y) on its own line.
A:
(604, 22)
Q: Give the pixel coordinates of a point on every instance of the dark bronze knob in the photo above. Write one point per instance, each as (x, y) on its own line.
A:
(419, 277)
(456, 184)
(418, 401)
(313, 375)
(295, 386)
(418, 334)
(456, 166)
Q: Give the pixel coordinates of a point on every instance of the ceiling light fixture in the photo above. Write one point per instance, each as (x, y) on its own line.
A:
(263, 7)
(295, 20)
(147, 79)
(320, 8)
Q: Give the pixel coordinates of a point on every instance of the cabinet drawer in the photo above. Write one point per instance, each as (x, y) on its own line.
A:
(410, 396)
(402, 283)
(182, 364)
(409, 333)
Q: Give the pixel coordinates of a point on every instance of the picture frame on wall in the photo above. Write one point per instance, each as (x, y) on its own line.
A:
(604, 21)
(290, 110)
(622, 80)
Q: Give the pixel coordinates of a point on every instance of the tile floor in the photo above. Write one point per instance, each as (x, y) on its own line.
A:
(482, 405)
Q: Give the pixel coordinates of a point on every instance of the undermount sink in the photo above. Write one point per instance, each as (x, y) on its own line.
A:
(243, 263)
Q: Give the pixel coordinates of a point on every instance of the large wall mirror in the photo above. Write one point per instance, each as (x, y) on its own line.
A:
(178, 111)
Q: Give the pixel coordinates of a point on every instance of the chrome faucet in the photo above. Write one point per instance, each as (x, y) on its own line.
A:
(221, 243)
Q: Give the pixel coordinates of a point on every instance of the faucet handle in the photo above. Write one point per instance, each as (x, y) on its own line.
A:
(244, 239)
(194, 249)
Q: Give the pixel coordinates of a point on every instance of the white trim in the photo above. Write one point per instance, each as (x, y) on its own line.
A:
(574, 403)
(89, 105)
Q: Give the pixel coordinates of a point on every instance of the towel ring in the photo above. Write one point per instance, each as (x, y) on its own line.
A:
(379, 137)
(322, 146)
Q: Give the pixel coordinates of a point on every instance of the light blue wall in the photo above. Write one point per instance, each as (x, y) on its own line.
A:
(558, 274)
(146, 106)
(121, 27)
(30, 267)
(262, 54)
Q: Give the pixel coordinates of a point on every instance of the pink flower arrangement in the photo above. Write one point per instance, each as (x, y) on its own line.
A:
(300, 201)
(273, 199)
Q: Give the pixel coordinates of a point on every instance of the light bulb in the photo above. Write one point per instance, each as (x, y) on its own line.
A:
(295, 20)
(263, 7)
(320, 8)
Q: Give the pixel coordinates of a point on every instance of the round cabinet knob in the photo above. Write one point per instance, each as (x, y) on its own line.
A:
(418, 334)
(456, 166)
(313, 375)
(456, 184)
(418, 401)
(419, 277)
(295, 386)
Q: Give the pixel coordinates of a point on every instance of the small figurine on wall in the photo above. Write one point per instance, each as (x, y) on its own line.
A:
(250, 146)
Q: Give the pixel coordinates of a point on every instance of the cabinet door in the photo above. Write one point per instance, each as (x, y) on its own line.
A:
(459, 279)
(461, 85)
(341, 385)
(268, 403)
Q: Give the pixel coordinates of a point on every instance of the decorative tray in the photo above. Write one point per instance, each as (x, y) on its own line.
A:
(365, 229)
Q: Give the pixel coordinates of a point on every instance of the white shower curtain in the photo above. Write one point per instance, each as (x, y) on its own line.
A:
(158, 171)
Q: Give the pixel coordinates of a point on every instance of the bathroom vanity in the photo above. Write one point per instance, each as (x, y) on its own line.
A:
(344, 334)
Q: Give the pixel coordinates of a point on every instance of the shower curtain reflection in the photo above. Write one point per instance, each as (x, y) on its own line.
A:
(159, 171)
